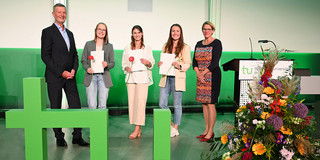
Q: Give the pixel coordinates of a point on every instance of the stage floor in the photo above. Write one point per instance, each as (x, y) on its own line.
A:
(184, 147)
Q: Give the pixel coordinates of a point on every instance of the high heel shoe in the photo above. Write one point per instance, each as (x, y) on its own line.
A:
(201, 136)
(132, 136)
(206, 140)
(139, 135)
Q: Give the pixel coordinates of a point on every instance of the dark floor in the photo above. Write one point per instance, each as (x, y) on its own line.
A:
(183, 147)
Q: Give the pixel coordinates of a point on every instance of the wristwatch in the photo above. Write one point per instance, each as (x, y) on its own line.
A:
(180, 67)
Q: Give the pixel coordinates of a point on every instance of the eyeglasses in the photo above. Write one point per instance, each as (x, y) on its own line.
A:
(101, 30)
(207, 29)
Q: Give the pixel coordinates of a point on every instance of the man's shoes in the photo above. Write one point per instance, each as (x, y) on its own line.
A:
(61, 143)
(80, 142)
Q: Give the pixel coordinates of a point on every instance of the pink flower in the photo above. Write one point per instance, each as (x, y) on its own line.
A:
(264, 96)
(286, 154)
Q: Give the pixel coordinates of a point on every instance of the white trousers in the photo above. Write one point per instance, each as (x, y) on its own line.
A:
(137, 99)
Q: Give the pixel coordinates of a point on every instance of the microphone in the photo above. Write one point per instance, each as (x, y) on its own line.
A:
(266, 41)
(251, 48)
(288, 50)
(263, 41)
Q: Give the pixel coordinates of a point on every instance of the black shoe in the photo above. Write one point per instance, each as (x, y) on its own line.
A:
(80, 142)
(61, 143)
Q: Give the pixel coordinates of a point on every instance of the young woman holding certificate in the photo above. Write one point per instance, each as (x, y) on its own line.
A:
(97, 60)
(206, 60)
(137, 63)
(176, 83)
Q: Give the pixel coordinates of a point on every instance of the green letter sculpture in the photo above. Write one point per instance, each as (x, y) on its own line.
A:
(35, 119)
(161, 134)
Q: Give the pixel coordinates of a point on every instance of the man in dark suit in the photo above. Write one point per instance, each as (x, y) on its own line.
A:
(58, 52)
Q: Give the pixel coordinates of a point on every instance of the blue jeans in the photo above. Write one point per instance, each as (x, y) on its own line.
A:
(177, 99)
(92, 90)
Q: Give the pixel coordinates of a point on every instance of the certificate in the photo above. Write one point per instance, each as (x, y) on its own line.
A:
(96, 62)
(166, 68)
(136, 64)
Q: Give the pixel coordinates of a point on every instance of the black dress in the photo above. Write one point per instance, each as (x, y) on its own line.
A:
(208, 56)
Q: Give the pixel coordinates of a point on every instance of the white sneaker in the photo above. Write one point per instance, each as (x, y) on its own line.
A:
(174, 132)
(177, 132)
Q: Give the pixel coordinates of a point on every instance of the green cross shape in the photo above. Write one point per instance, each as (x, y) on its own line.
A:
(35, 119)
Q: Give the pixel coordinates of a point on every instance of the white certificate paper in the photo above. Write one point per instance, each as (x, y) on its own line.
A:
(96, 63)
(166, 68)
(136, 65)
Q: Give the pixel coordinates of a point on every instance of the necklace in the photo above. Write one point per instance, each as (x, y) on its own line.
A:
(208, 41)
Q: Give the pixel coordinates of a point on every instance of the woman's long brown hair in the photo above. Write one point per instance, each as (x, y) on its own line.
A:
(133, 45)
(169, 45)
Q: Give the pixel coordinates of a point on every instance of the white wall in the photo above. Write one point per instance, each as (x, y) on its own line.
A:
(85, 15)
(291, 24)
(29, 19)
(22, 22)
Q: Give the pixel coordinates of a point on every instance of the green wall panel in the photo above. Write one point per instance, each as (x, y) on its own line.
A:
(18, 63)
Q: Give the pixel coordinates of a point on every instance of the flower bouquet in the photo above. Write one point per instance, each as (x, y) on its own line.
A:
(274, 125)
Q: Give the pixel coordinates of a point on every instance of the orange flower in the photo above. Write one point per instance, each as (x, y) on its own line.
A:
(300, 146)
(224, 139)
(259, 149)
(286, 130)
(299, 136)
(268, 90)
(301, 150)
(265, 115)
(245, 138)
(241, 108)
(283, 102)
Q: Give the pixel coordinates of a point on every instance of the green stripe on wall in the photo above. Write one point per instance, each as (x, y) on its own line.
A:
(17, 63)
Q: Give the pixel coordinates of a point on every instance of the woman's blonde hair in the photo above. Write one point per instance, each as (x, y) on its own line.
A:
(210, 24)
(106, 37)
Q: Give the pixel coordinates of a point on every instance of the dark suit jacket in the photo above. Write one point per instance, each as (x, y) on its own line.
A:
(55, 54)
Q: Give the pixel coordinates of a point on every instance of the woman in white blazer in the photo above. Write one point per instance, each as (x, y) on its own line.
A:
(137, 81)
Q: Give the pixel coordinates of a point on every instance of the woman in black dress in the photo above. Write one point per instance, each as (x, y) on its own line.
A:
(206, 60)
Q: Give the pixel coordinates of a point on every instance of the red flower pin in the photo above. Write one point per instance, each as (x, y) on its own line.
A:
(91, 57)
(131, 59)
